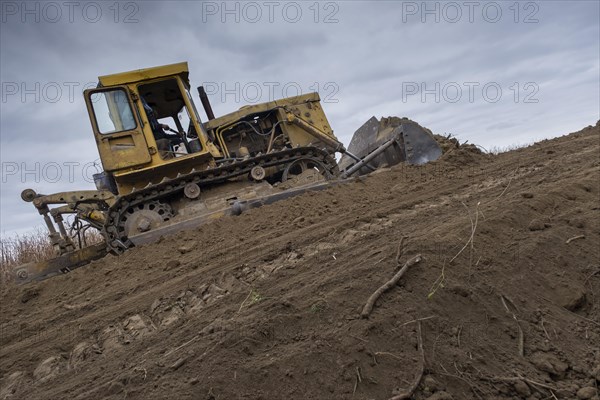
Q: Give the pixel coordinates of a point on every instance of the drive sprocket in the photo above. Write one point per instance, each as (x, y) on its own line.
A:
(144, 217)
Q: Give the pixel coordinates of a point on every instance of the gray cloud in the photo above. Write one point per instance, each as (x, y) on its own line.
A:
(370, 57)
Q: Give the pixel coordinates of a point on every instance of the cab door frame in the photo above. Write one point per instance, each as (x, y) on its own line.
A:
(124, 149)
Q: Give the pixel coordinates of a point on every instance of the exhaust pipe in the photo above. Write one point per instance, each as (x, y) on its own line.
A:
(205, 103)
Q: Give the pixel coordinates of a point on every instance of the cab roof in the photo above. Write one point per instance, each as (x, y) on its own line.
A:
(138, 75)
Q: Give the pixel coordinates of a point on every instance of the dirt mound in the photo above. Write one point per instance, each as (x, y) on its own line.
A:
(458, 154)
(268, 305)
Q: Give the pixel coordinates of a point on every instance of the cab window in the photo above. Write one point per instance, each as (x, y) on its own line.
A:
(112, 111)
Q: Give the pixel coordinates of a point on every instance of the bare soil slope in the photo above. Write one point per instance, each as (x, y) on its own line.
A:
(267, 305)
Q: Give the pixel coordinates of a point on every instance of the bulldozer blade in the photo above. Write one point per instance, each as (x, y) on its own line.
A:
(37, 271)
(414, 144)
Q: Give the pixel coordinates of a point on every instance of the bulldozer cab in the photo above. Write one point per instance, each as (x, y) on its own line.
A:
(146, 125)
(152, 104)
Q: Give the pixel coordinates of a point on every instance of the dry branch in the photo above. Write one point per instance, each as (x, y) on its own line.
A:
(575, 238)
(505, 189)
(517, 378)
(418, 320)
(358, 338)
(505, 299)
(468, 382)
(385, 353)
(183, 345)
(590, 275)
(544, 328)
(244, 302)
(409, 392)
(473, 229)
(561, 308)
(400, 250)
(388, 285)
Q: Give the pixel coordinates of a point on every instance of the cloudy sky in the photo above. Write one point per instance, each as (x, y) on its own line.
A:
(493, 73)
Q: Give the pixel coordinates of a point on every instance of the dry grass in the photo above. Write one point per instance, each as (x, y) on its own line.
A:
(504, 149)
(31, 247)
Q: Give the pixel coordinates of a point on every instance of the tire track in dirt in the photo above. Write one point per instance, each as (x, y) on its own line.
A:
(287, 325)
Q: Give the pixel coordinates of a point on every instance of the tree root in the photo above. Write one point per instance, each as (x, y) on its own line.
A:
(387, 286)
(409, 392)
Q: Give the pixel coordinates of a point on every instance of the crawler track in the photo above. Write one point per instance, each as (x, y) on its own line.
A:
(115, 235)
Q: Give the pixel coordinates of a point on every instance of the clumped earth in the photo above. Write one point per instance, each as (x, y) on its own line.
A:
(268, 305)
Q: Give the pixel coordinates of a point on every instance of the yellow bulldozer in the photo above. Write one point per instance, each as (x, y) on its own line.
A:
(164, 170)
